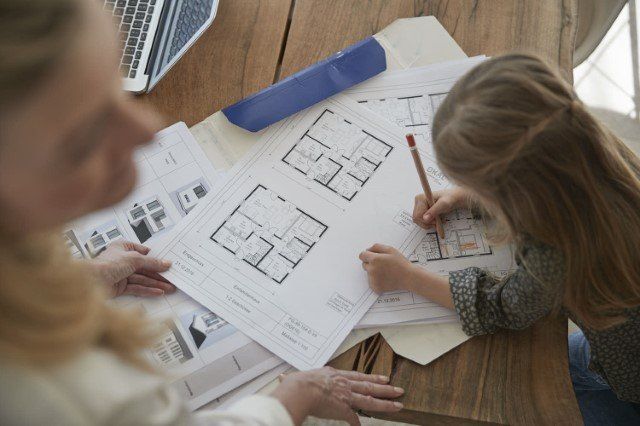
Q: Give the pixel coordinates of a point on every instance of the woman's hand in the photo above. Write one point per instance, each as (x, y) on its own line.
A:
(124, 268)
(444, 202)
(388, 269)
(334, 394)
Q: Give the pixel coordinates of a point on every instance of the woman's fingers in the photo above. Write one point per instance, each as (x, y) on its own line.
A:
(375, 389)
(139, 248)
(154, 275)
(368, 402)
(146, 281)
(356, 375)
(150, 264)
(142, 291)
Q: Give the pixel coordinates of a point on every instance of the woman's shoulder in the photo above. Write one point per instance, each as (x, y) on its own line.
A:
(86, 390)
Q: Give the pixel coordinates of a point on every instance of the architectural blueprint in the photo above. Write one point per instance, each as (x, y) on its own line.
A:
(465, 235)
(337, 154)
(410, 100)
(413, 113)
(207, 356)
(274, 248)
(269, 233)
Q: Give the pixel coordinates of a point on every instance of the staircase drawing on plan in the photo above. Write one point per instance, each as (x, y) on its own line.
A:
(465, 235)
(269, 233)
(337, 155)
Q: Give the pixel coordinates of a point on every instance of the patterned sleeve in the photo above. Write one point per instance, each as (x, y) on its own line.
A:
(485, 303)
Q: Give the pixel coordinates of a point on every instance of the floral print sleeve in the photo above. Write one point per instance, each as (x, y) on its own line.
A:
(486, 303)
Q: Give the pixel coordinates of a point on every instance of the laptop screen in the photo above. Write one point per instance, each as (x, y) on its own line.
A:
(181, 24)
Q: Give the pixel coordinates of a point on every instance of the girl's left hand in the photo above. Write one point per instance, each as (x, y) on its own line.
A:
(125, 269)
(388, 269)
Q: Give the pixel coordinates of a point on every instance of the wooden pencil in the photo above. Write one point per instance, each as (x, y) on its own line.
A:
(424, 181)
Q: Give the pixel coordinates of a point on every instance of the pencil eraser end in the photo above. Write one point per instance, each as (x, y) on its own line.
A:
(410, 140)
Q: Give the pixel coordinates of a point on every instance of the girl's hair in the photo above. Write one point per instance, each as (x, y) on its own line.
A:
(515, 134)
(51, 308)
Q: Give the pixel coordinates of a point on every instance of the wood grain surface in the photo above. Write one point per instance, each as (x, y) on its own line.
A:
(236, 57)
(490, 27)
(507, 378)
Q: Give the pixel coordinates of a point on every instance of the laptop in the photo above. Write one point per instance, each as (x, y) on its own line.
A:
(154, 34)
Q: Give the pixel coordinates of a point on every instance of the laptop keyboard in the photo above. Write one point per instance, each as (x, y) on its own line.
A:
(132, 18)
(193, 14)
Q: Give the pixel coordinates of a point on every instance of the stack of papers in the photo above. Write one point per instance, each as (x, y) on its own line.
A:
(274, 247)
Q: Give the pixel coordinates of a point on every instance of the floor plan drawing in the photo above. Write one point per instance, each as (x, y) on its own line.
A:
(436, 99)
(269, 233)
(337, 154)
(410, 111)
(413, 113)
(464, 236)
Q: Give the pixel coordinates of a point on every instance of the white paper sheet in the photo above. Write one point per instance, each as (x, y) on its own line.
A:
(274, 249)
(173, 175)
(207, 356)
(410, 99)
(248, 388)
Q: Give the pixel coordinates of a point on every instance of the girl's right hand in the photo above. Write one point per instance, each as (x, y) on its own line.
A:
(334, 394)
(444, 202)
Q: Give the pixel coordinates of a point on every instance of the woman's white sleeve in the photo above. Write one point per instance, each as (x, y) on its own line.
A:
(255, 410)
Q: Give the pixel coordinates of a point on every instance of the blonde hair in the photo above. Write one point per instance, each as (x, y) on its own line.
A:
(515, 134)
(51, 308)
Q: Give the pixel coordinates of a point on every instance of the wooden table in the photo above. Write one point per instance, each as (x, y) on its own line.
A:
(507, 378)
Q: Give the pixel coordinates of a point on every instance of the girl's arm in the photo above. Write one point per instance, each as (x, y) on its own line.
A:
(432, 286)
(483, 302)
(389, 270)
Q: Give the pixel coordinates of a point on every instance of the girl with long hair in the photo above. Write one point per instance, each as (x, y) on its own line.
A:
(521, 147)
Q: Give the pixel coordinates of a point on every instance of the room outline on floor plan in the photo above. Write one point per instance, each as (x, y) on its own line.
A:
(269, 233)
(337, 154)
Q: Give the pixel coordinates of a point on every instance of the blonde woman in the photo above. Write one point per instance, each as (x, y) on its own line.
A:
(519, 144)
(67, 134)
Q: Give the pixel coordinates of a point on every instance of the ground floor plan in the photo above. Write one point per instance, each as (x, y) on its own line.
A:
(269, 233)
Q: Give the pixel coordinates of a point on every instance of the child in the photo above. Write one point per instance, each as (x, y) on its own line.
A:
(566, 192)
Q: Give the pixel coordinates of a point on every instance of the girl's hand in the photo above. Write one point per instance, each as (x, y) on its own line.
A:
(334, 394)
(444, 202)
(387, 268)
(123, 268)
